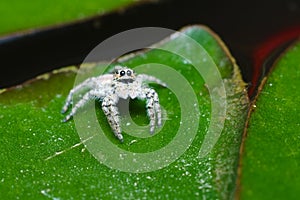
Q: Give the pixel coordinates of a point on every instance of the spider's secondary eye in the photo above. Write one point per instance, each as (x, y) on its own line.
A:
(122, 73)
(128, 73)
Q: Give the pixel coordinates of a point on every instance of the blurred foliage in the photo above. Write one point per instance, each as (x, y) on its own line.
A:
(19, 15)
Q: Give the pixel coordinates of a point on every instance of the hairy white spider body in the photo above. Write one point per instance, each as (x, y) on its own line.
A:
(109, 88)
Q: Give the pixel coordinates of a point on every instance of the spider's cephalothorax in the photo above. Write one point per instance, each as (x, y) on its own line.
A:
(124, 75)
(108, 88)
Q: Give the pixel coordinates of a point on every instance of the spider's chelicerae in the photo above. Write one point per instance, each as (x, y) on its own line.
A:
(109, 88)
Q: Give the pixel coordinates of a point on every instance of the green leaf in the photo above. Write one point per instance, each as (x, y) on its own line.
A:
(18, 15)
(43, 157)
(270, 161)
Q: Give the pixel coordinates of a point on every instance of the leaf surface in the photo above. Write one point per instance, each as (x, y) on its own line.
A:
(270, 161)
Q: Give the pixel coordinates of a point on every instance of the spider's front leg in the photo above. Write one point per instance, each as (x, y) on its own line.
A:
(153, 107)
(110, 109)
(87, 83)
(86, 98)
(148, 78)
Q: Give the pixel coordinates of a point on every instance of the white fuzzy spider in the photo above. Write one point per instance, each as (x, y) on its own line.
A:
(108, 88)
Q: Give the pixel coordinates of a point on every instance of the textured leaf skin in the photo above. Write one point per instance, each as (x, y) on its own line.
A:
(270, 161)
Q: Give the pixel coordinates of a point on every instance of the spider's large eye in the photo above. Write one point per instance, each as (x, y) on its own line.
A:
(128, 73)
(122, 73)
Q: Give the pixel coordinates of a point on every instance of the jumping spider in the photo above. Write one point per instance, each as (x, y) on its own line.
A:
(109, 88)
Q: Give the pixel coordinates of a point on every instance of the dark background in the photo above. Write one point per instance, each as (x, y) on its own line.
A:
(255, 32)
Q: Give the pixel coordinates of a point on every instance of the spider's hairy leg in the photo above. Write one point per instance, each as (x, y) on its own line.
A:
(88, 83)
(110, 109)
(157, 109)
(148, 78)
(86, 98)
(153, 108)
